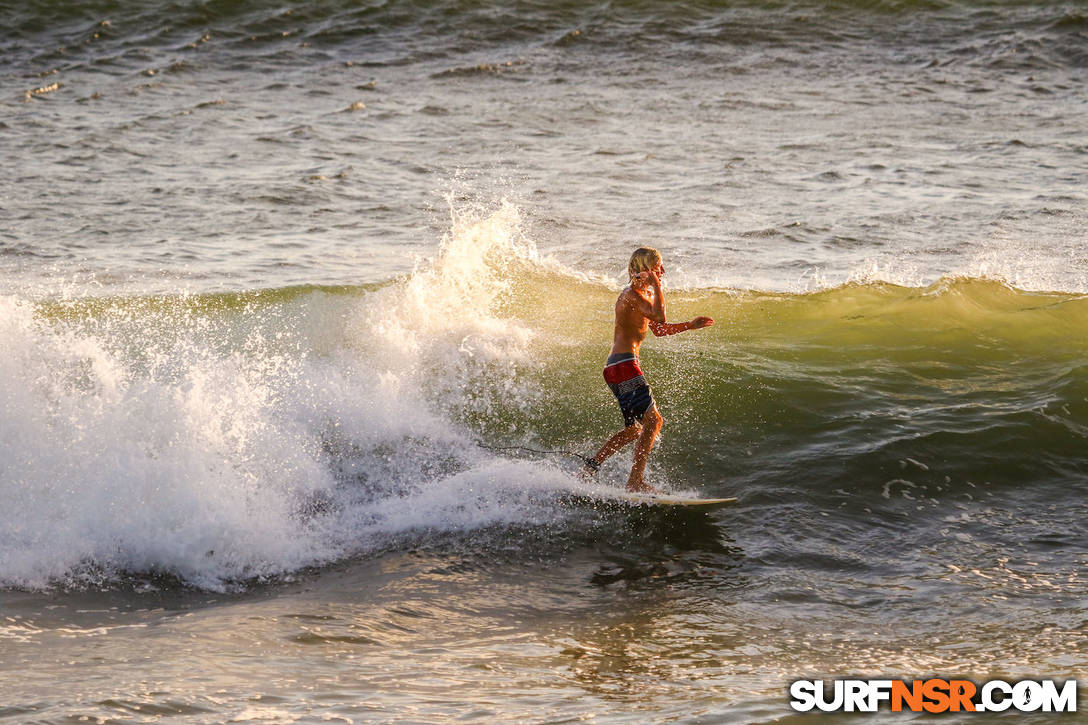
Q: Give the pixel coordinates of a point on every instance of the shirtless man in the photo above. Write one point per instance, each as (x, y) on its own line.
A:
(640, 307)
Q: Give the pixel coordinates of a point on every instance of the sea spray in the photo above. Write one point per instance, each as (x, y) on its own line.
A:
(442, 334)
(220, 443)
(112, 466)
(442, 363)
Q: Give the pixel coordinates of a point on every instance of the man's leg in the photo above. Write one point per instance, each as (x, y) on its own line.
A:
(617, 442)
(612, 445)
(651, 425)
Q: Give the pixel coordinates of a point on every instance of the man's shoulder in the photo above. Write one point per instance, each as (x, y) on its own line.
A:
(629, 306)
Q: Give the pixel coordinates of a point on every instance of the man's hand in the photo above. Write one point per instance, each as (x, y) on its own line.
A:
(651, 277)
(700, 322)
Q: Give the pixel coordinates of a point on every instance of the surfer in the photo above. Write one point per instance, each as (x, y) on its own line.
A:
(640, 307)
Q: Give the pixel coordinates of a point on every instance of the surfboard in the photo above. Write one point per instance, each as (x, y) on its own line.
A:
(628, 498)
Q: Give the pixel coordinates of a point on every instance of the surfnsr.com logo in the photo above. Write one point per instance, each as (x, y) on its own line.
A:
(933, 695)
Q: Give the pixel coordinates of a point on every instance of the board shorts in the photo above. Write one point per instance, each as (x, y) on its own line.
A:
(625, 378)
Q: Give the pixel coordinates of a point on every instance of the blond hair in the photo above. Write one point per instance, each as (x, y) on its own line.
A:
(643, 260)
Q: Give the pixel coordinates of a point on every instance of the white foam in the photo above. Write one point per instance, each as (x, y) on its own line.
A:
(228, 445)
(114, 465)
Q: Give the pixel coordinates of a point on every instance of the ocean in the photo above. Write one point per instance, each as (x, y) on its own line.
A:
(304, 308)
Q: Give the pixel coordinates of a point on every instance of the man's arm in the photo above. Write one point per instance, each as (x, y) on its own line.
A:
(654, 312)
(659, 298)
(660, 329)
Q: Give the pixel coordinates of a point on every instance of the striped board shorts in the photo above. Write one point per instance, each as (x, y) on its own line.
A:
(625, 378)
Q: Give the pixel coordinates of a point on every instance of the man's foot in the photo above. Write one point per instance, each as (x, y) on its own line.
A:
(589, 471)
(641, 487)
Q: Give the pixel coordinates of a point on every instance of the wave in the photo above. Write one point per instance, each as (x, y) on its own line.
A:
(225, 438)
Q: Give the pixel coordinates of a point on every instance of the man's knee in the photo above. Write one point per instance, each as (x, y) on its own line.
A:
(652, 418)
